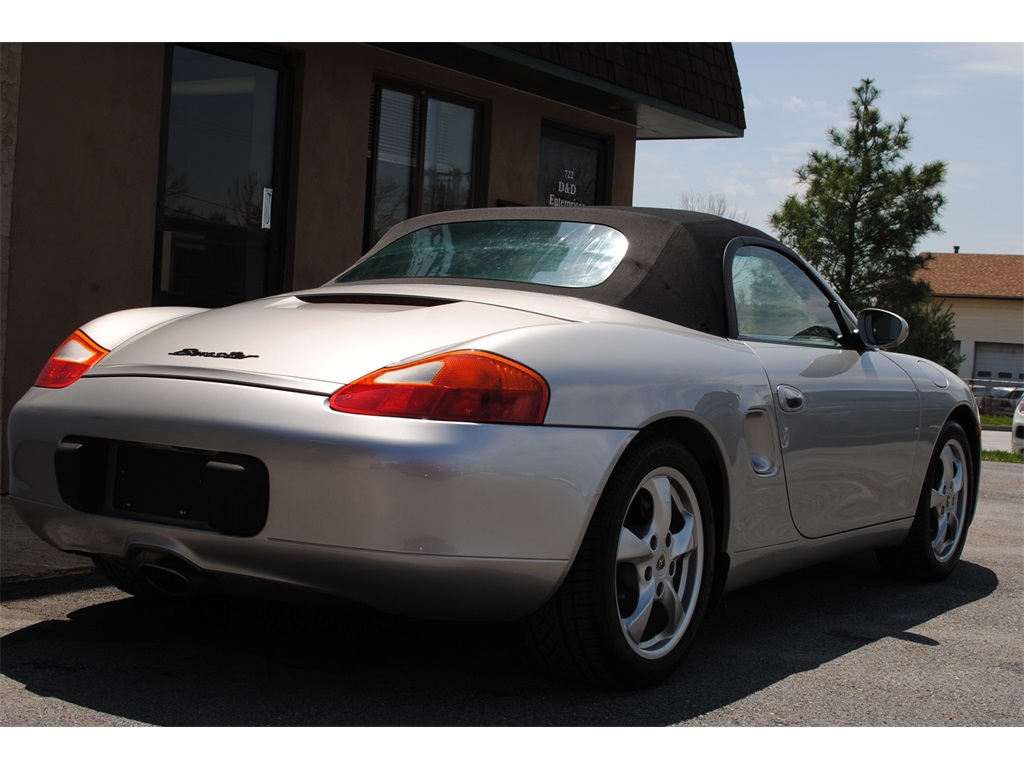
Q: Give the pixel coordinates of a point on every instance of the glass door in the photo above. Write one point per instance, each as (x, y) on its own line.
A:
(220, 226)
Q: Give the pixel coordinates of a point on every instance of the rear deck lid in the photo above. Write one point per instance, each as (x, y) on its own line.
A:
(311, 342)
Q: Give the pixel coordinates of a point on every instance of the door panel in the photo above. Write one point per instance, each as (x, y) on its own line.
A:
(848, 418)
(848, 439)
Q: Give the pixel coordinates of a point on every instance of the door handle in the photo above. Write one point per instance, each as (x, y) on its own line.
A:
(268, 199)
(791, 399)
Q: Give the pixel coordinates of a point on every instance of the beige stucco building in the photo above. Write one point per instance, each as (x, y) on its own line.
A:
(986, 294)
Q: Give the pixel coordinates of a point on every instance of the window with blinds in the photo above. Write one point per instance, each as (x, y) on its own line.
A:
(422, 156)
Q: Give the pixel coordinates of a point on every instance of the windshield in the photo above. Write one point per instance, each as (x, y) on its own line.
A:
(557, 253)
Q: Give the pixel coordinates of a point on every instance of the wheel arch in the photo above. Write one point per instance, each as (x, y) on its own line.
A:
(967, 419)
(696, 438)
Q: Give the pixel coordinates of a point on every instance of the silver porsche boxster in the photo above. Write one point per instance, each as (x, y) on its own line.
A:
(592, 419)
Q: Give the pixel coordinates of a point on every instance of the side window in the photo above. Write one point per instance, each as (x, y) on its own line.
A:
(776, 300)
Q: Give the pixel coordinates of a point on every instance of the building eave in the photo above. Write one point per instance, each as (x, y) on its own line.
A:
(535, 70)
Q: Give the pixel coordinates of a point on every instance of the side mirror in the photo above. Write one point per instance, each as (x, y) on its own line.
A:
(879, 329)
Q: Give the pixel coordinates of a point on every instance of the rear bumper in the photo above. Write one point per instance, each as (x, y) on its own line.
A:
(425, 518)
(428, 586)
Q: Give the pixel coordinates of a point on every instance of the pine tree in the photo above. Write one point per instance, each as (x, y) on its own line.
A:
(859, 217)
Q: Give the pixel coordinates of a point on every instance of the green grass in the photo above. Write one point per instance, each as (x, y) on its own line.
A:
(996, 420)
(1003, 456)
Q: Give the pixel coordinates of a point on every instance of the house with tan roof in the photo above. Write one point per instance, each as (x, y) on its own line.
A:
(986, 294)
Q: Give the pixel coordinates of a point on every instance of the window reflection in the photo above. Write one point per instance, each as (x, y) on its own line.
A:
(214, 239)
(776, 300)
(448, 161)
(572, 168)
(220, 141)
(423, 149)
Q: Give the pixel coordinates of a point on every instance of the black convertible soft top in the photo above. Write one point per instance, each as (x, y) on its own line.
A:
(672, 269)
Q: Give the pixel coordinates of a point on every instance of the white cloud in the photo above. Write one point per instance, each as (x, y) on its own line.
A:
(982, 59)
(784, 186)
(794, 104)
(733, 187)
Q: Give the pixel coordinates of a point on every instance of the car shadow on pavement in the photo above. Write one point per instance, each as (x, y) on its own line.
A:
(257, 663)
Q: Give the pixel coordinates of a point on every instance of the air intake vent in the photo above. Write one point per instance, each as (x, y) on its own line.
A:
(365, 298)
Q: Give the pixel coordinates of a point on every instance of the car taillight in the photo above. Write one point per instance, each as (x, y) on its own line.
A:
(457, 386)
(69, 363)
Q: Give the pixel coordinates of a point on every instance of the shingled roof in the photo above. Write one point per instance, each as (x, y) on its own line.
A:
(976, 275)
(698, 77)
(667, 90)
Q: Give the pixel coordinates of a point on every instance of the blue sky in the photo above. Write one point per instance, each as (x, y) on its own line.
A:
(965, 103)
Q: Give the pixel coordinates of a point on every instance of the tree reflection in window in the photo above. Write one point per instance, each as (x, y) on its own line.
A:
(423, 157)
(776, 300)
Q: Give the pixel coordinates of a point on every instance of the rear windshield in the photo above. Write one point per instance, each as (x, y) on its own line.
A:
(559, 253)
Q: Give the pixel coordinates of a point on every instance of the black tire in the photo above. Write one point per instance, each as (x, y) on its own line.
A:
(638, 590)
(932, 547)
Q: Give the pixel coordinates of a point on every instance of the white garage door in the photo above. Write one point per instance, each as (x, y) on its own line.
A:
(999, 361)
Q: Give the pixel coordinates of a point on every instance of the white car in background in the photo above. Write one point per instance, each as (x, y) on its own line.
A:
(1017, 436)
